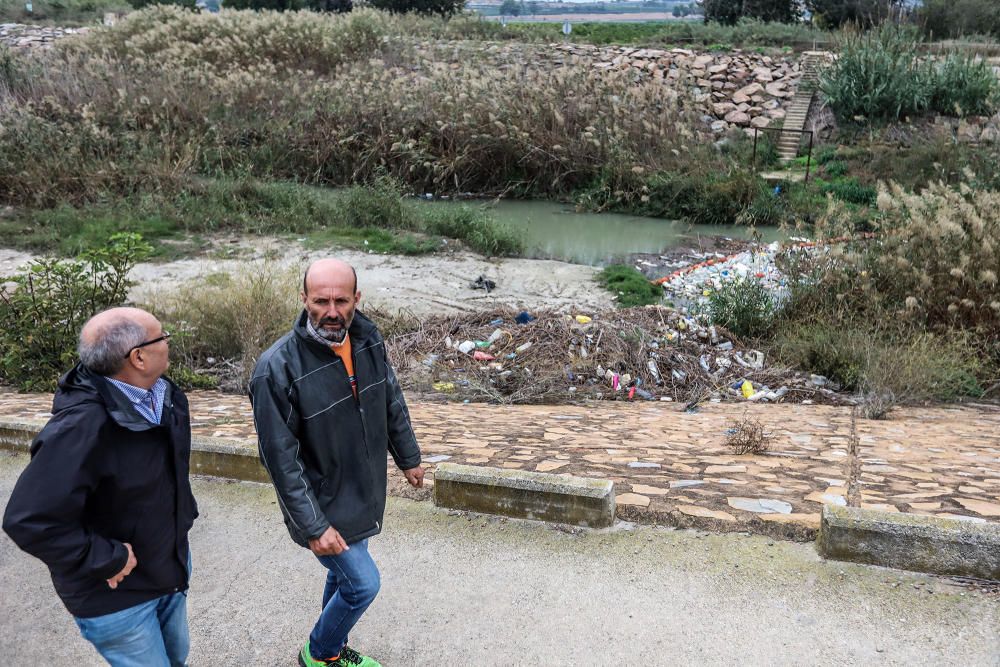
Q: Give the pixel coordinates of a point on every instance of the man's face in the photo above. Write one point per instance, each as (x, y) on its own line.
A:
(331, 307)
(157, 355)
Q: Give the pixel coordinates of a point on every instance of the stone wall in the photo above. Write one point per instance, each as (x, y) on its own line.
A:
(734, 89)
(16, 35)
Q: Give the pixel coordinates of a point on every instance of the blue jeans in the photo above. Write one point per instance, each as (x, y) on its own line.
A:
(352, 582)
(151, 634)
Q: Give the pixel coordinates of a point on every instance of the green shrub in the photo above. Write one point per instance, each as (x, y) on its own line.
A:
(767, 208)
(880, 76)
(476, 228)
(379, 205)
(851, 191)
(824, 154)
(835, 168)
(439, 7)
(905, 365)
(744, 306)
(43, 309)
(630, 287)
(956, 18)
(964, 86)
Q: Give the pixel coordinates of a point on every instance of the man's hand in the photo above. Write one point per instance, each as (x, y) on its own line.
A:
(415, 476)
(129, 566)
(329, 543)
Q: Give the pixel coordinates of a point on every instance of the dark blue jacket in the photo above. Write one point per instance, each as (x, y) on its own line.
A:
(101, 475)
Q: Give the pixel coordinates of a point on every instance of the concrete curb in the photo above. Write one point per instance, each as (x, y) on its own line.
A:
(215, 457)
(578, 501)
(910, 542)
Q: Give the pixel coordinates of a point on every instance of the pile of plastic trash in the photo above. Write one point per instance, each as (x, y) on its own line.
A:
(652, 353)
(692, 285)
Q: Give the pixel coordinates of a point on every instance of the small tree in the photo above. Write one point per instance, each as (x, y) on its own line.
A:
(729, 12)
(42, 310)
(443, 8)
(864, 13)
(510, 8)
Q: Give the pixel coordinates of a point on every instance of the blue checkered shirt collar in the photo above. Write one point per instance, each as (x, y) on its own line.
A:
(149, 404)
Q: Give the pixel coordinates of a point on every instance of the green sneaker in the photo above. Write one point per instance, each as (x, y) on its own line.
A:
(306, 659)
(348, 658)
(351, 658)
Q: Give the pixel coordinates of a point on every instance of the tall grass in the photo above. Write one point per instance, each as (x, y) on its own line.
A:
(881, 76)
(332, 100)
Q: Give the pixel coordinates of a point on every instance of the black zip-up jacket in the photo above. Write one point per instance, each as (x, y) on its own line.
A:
(324, 449)
(101, 475)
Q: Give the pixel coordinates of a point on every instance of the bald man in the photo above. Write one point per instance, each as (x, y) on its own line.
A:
(105, 501)
(328, 409)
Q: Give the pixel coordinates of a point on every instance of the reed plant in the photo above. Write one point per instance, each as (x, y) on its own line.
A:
(880, 75)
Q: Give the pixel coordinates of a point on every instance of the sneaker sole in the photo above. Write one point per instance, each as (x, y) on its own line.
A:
(302, 663)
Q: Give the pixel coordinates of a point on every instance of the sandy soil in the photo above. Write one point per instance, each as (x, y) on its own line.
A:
(422, 285)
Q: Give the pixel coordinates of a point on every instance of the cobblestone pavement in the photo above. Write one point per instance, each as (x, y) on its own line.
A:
(674, 467)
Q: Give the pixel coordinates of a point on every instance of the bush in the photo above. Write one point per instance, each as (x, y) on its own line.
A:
(851, 191)
(835, 168)
(889, 364)
(956, 18)
(176, 96)
(630, 287)
(476, 228)
(379, 206)
(223, 323)
(937, 258)
(879, 76)
(729, 12)
(743, 306)
(43, 309)
(440, 7)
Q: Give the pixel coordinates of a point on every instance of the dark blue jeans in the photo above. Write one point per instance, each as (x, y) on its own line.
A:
(352, 582)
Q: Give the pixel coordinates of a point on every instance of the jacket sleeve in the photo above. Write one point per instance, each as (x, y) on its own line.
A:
(274, 417)
(44, 514)
(402, 441)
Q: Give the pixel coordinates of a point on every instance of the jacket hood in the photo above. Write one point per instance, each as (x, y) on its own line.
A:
(81, 386)
(360, 331)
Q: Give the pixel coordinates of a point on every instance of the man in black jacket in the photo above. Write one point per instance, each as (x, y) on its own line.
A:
(327, 407)
(105, 501)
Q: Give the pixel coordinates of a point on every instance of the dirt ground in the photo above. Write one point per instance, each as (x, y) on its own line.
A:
(424, 285)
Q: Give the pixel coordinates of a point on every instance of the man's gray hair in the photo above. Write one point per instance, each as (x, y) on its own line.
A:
(105, 354)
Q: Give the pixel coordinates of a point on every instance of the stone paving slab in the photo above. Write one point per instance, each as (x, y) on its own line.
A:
(673, 467)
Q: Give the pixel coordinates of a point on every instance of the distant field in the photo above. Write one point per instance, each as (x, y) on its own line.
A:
(596, 17)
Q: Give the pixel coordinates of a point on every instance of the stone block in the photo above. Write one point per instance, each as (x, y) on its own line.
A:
(910, 542)
(578, 501)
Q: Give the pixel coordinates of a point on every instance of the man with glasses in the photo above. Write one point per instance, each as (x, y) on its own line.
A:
(105, 501)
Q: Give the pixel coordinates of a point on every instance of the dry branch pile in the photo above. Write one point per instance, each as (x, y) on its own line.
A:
(637, 353)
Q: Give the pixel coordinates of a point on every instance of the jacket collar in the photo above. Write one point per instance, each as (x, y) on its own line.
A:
(81, 385)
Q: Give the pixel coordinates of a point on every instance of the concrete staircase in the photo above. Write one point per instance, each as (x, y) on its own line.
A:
(798, 110)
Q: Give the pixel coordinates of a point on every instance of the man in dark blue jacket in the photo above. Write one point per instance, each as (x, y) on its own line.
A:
(328, 410)
(105, 501)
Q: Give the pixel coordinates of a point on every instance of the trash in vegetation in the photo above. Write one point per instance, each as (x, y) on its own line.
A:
(483, 283)
(644, 353)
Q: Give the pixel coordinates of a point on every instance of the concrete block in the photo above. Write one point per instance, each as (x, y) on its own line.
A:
(910, 542)
(17, 436)
(578, 501)
(215, 457)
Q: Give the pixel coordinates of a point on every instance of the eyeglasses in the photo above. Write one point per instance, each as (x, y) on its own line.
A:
(165, 336)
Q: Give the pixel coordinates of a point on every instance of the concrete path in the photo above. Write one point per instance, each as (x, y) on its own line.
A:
(470, 590)
(674, 468)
